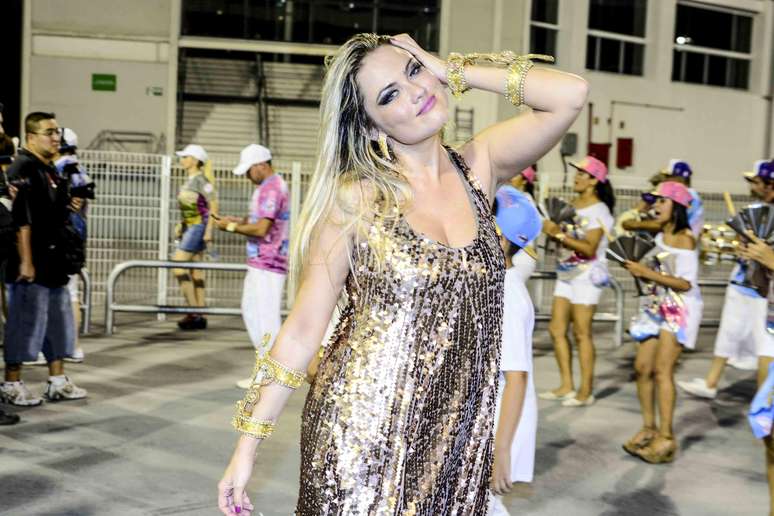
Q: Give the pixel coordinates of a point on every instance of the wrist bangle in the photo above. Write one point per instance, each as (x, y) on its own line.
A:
(455, 74)
(560, 237)
(231, 227)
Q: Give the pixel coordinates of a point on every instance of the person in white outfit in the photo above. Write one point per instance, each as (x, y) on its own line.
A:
(581, 276)
(668, 320)
(516, 411)
(741, 302)
(266, 228)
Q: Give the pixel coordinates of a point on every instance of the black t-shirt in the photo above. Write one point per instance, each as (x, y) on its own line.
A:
(41, 203)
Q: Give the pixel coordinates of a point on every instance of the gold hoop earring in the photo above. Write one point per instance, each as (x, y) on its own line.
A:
(383, 148)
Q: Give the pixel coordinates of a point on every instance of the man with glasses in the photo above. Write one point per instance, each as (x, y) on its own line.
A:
(39, 312)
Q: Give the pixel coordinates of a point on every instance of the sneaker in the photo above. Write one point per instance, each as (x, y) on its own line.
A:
(575, 402)
(199, 323)
(41, 360)
(549, 395)
(192, 322)
(77, 356)
(16, 393)
(66, 390)
(185, 322)
(8, 419)
(698, 387)
(245, 384)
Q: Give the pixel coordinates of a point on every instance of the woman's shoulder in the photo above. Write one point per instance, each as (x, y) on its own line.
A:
(682, 240)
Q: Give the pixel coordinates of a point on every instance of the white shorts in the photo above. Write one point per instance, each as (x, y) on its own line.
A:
(579, 290)
(72, 288)
(736, 337)
(261, 304)
(764, 341)
(644, 327)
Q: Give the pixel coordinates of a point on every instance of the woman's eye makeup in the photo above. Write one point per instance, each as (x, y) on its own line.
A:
(390, 95)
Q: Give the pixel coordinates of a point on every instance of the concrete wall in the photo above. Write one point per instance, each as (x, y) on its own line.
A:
(63, 85)
(69, 41)
(139, 18)
(720, 131)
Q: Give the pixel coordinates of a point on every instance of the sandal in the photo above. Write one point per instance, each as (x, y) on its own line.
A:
(661, 450)
(640, 440)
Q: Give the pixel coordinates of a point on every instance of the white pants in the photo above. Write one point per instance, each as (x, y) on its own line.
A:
(742, 331)
(261, 302)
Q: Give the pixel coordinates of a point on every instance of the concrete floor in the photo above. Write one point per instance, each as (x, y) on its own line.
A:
(153, 437)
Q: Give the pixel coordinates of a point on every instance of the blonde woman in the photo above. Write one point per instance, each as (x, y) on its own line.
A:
(399, 416)
(196, 199)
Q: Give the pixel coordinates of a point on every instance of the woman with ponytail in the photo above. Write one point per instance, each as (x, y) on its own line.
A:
(399, 415)
(581, 276)
(198, 202)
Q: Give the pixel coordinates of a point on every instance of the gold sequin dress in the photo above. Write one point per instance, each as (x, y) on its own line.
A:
(399, 419)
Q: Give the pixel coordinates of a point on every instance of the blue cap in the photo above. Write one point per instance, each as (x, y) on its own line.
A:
(678, 168)
(517, 216)
(763, 169)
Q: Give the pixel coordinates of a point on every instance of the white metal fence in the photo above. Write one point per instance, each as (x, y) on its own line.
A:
(135, 212)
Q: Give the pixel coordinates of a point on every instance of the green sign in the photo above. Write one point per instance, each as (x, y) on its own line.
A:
(103, 82)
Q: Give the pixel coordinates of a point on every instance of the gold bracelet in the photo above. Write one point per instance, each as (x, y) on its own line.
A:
(231, 227)
(455, 74)
(253, 427)
(514, 81)
(265, 372)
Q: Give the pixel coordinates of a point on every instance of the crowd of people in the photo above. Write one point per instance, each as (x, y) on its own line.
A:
(422, 394)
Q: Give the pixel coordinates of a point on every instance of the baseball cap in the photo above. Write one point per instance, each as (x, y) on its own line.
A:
(593, 167)
(528, 174)
(251, 155)
(763, 169)
(195, 151)
(517, 217)
(678, 168)
(673, 190)
(69, 141)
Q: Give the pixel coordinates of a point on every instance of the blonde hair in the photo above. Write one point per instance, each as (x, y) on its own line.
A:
(351, 176)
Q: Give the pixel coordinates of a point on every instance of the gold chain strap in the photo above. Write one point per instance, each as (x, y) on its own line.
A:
(265, 372)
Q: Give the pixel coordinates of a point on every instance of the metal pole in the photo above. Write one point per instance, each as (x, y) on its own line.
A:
(164, 207)
(111, 306)
(86, 307)
(295, 211)
(619, 310)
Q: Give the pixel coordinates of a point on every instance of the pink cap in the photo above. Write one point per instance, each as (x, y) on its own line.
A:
(678, 192)
(528, 174)
(593, 167)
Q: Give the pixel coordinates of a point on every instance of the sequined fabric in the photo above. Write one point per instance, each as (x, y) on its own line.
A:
(399, 419)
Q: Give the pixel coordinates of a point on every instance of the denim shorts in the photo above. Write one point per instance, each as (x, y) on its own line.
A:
(39, 319)
(192, 240)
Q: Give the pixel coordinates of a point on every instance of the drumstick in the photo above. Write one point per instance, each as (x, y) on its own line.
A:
(729, 204)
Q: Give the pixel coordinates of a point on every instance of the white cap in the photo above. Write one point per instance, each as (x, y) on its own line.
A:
(195, 151)
(251, 155)
(69, 139)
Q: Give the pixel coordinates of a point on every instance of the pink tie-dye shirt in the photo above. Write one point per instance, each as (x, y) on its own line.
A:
(270, 201)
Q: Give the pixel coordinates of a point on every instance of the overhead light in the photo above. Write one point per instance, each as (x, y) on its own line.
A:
(683, 40)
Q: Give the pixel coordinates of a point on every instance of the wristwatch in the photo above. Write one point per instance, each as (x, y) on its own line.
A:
(231, 227)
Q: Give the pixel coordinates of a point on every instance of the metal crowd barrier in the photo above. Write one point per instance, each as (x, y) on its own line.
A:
(617, 318)
(111, 306)
(85, 301)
